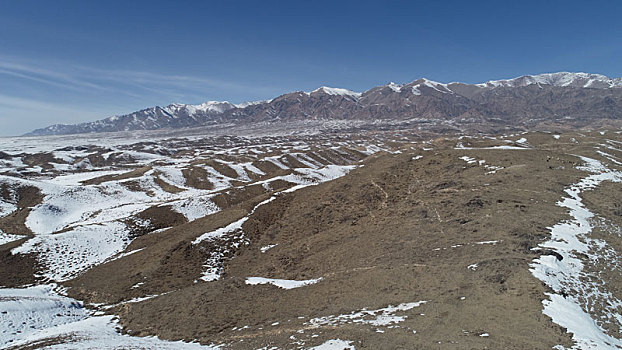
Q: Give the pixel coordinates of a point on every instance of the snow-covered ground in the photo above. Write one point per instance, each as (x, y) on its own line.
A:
(37, 315)
(93, 186)
(77, 226)
(6, 237)
(575, 290)
(335, 344)
(285, 284)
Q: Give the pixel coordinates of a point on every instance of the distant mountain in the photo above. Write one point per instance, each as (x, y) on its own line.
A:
(523, 101)
(583, 80)
(171, 116)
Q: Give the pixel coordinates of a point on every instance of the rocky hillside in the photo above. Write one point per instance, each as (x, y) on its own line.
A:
(574, 99)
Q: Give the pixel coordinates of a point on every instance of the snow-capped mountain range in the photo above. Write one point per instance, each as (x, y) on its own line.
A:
(583, 80)
(545, 96)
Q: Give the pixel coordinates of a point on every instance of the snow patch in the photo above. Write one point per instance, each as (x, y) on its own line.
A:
(379, 317)
(268, 247)
(195, 207)
(101, 333)
(7, 237)
(27, 310)
(395, 87)
(335, 344)
(337, 92)
(285, 284)
(67, 254)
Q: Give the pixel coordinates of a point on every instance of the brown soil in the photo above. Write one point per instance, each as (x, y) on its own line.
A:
(154, 218)
(198, 178)
(222, 168)
(25, 198)
(237, 195)
(16, 270)
(268, 167)
(41, 159)
(167, 186)
(293, 162)
(129, 175)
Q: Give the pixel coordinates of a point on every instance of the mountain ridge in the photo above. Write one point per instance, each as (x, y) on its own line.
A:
(422, 98)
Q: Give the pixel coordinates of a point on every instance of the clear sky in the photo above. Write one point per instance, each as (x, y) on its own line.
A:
(72, 61)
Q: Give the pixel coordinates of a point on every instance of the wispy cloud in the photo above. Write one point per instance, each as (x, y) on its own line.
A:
(25, 104)
(44, 75)
(127, 82)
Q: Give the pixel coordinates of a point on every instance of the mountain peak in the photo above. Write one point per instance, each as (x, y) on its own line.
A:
(395, 87)
(336, 91)
(423, 82)
(211, 106)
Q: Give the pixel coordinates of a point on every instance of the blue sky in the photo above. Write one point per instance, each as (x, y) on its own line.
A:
(72, 61)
